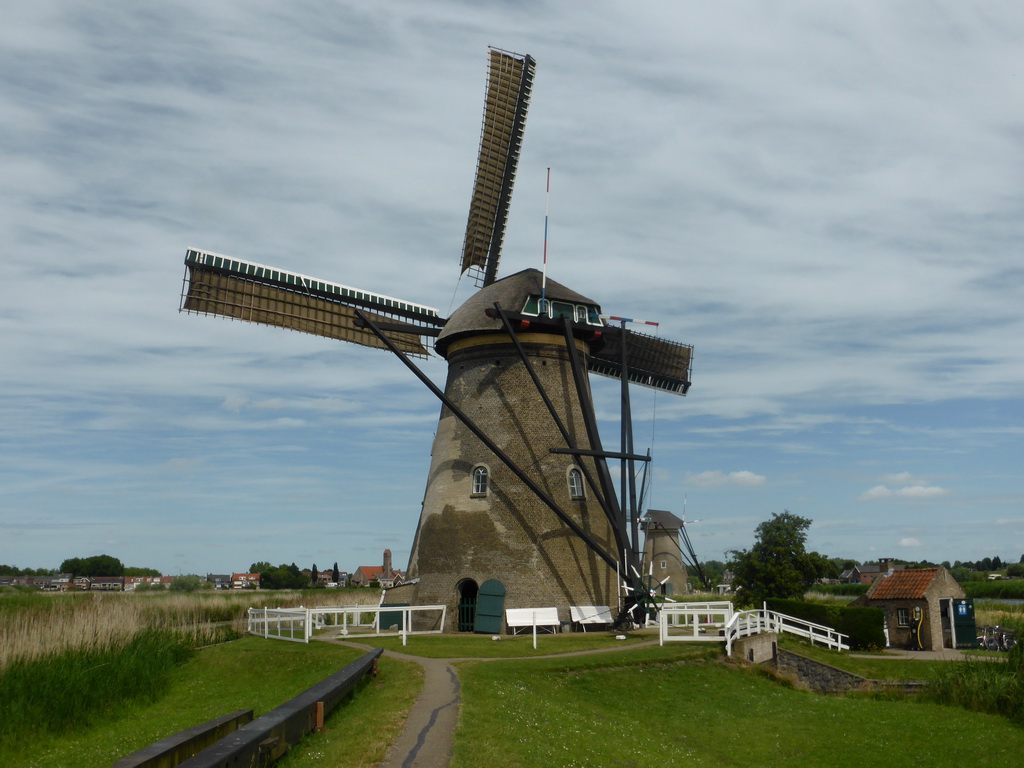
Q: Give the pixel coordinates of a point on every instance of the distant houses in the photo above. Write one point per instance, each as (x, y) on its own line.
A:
(245, 581)
(131, 583)
(867, 573)
(385, 575)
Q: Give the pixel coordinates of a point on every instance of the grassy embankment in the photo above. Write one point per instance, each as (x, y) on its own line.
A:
(653, 706)
(250, 673)
(71, 663)
(629, 706)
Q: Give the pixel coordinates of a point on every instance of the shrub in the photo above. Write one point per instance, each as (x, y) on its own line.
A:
(864, 626)
(982, 685)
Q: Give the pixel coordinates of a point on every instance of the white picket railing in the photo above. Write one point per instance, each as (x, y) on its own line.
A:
(694, 622)
(748, 623)
(720, 622)
(298, 624)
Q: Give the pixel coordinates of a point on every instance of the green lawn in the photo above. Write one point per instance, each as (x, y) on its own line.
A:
(631, 706)
(873, 666)
(633, 711)
(483, 647)
(251, 673)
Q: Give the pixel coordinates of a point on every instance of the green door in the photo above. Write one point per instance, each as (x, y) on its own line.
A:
(490, 607)
(963, 623)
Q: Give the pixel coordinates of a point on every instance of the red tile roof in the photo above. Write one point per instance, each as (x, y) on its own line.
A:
(909, 584)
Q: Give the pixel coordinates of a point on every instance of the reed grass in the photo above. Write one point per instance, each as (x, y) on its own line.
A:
(990, 683)
(79, 687)
(69, 660)
(36, 625)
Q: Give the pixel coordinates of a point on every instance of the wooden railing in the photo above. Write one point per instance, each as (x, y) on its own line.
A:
(720, 622)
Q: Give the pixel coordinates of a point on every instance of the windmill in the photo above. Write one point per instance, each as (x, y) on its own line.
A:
(520, 507)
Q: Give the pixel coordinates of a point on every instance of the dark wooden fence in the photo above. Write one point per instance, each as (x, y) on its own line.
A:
(265, 739)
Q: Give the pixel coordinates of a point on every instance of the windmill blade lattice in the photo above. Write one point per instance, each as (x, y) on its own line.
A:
(653, 362)
(509, 82)
(243, 290)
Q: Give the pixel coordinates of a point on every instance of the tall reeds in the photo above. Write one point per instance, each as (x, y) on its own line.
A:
(37, 625)
(67, 660)
(985, 684)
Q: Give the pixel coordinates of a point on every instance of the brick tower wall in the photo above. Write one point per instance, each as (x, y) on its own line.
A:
(509, 534)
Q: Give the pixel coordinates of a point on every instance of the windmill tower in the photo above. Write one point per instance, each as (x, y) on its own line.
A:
(662, 551)
(520, 509)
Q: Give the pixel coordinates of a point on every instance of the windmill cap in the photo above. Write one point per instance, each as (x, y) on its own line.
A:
(511, 293)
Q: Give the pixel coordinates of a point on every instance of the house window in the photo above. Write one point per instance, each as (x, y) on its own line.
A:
(480, 481)
(902, 617)
(575, 483)
(663, 564)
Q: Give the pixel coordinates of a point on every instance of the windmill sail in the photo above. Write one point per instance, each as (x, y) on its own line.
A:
(652, 362)
(509, 82)
(220, 285)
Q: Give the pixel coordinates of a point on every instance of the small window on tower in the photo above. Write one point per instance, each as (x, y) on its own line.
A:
(480, 481)
(575, 483)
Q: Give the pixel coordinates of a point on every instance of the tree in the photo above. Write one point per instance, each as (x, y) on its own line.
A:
(960, 573)
(336, 574)
(282, 577)
(778, 565)
(314, 576)
(187, 583)
(129, 571)
(98, 565)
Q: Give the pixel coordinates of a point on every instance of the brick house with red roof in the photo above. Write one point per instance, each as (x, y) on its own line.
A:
(385, 574)
(915, 599)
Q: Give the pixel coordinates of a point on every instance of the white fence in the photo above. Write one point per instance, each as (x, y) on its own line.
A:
(694, 622)
(299, 624)
(720, 622)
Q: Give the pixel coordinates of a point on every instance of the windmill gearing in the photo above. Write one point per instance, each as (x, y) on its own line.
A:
(520, 509)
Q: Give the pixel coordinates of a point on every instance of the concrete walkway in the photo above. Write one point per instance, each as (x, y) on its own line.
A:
(426, 740)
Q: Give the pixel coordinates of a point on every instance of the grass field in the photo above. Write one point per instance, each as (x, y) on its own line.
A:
(638, 712)
(251, 673)
(631, 705)
(483, 647)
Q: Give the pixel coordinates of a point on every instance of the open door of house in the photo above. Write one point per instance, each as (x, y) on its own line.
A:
(490, 607)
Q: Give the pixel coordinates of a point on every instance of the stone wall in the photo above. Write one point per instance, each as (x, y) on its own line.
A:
(817, 676)
(824, 678)
(757, 649)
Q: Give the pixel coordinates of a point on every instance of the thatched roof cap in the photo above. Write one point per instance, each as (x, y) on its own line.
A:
(511, 292)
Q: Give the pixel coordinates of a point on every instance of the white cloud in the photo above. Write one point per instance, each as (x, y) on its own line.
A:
(921, 492)
(716, 477)
(878, 492)
(909, 542)
(916, 491)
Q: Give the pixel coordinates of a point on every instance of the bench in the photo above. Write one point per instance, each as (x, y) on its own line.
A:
(590, 614)
(545, 619)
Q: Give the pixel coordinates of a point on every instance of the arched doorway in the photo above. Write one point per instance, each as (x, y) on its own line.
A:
(468, 591)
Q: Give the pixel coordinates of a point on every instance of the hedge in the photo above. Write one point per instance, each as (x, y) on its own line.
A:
(864, 626)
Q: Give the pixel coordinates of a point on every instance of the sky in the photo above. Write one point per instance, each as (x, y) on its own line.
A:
(824, 199)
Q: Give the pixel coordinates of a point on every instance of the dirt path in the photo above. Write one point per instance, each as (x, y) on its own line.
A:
(426, 740)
